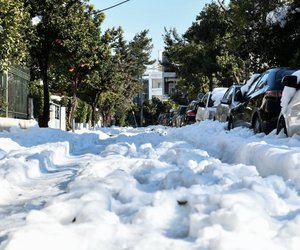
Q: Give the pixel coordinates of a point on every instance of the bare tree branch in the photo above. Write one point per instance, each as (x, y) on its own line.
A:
(221, 3)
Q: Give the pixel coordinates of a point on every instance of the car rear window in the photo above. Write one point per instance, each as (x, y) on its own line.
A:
(182, 110)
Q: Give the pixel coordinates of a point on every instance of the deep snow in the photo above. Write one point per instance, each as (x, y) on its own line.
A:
(196, 187)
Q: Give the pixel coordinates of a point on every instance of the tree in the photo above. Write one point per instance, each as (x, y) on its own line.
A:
(249, 20)
(127, 66)
(186, 60)
(140, 50)
(14, 25)
(55, 39)
(284, 34)
(81, 46)
(195, 55)
(103, 76)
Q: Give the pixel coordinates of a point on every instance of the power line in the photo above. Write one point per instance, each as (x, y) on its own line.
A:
(112, 6)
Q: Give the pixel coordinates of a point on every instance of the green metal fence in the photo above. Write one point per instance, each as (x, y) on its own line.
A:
(14, 92)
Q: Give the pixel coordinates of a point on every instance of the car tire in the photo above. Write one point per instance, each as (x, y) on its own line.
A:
(230, 124)
(257, 128)
(281, 126)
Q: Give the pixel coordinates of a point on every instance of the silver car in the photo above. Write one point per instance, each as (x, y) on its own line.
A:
(228, 101)
(289, 118)
(208, 105)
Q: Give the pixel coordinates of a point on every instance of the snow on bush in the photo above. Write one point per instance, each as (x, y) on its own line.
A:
(278, 16)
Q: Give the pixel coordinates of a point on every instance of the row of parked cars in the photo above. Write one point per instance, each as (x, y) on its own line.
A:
(266, 102)
(259, 106)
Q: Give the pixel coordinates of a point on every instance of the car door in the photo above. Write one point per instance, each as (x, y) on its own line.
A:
(293, 115)
(209, 110)
(255, 104)
(201, 109)
(242, 112)
(252, 101)
(224, 106)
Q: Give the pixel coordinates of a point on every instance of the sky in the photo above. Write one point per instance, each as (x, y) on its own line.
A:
(138, 15)
(195, 187)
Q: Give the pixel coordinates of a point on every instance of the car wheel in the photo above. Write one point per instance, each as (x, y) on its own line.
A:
(257, 126)
(230, 124)
(281, 126)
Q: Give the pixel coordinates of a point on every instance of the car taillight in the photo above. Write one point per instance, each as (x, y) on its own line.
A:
(273, 93)
(191, 113)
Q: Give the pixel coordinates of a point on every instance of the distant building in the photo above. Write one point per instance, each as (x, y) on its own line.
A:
(160, 81)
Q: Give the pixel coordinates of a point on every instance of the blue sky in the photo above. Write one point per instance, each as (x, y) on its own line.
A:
(153, 15)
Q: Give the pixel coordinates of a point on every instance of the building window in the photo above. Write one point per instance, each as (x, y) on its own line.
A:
(156, 83)
(172, 87)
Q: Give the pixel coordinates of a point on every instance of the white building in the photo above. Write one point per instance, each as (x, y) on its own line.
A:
(160, 84)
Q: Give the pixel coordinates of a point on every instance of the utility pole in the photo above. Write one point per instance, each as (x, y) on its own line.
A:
(142, 109)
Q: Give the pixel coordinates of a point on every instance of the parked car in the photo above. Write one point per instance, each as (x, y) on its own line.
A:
(289, 118)
(163, 119)
(173, 113)
(259, 107)
(208, 104)
(228, 102)
(178, 118)
(191, 111)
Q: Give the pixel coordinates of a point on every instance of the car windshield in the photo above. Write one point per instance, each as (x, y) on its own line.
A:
(182, 110)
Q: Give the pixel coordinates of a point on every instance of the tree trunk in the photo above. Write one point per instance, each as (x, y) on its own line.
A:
(94, 107)
(106, 118)
(46, 109)
(211, 83)
(236, 78)
(93, 115)
(71, 118)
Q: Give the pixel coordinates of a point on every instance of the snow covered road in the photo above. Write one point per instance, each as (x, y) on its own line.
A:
(196, 187)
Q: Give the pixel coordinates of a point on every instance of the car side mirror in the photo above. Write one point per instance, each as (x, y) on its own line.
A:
(225, 101)
(201, 104)
(290, 81)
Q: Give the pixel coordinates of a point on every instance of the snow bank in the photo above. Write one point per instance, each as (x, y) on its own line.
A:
(7, 123)
(194, 187)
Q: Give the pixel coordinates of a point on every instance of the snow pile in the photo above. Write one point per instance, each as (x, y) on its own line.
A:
(217, 95)
(278, 16)
(288, 93)
(194, 187)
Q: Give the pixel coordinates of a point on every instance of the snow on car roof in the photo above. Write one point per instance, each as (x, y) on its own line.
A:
(217, 95)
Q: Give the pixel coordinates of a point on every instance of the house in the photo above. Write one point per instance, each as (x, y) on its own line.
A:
(160, 81)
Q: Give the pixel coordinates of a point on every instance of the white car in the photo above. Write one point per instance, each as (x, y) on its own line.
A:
(208, 105)
(289, 118)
